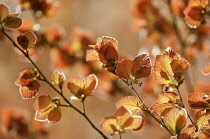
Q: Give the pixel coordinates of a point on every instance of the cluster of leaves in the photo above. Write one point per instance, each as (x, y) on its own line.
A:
(169, 68)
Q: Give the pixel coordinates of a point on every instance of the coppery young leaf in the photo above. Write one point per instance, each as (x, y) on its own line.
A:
(131, 104)
(82, 87)
(47, 109)
(121, 121)
(58, 78)
(132, 70)
(195, 12)
(168, 69)
(176, 120)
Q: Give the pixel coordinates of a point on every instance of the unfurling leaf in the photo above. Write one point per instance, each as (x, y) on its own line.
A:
(47, 109)
(132, 70)
(176, 120)
(121, 121)
(58, 78)
(82, 87)
(105, 50)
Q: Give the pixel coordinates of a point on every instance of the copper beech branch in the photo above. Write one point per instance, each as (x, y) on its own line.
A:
(55, 89)
(146, 109)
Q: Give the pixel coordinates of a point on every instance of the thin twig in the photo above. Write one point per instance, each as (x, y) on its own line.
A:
(59, 92)
(184, 106)
(149, 112)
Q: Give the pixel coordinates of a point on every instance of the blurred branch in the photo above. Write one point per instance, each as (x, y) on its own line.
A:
(181, 42)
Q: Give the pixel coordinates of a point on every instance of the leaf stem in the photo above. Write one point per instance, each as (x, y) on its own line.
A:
(55, 89)
(83, 106)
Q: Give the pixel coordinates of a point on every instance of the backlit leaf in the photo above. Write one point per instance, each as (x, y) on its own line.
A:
(58, 78)
(162, 69)
(12, 22)
(92, 55)
(4, 12)
(168, 69)
(82, 87)
(47, 109)
(195, 12)
(176, 120)
(109, 124)
(124, 68)
(120, 121)
(132, 70)
(27, 40)
(201, 135)
(131, 104)
(29, 90)
(197, 101)
(165, 102)
(202, 120)
(188, 132)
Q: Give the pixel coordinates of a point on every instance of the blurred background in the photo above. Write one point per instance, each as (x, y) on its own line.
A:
(102, 18)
